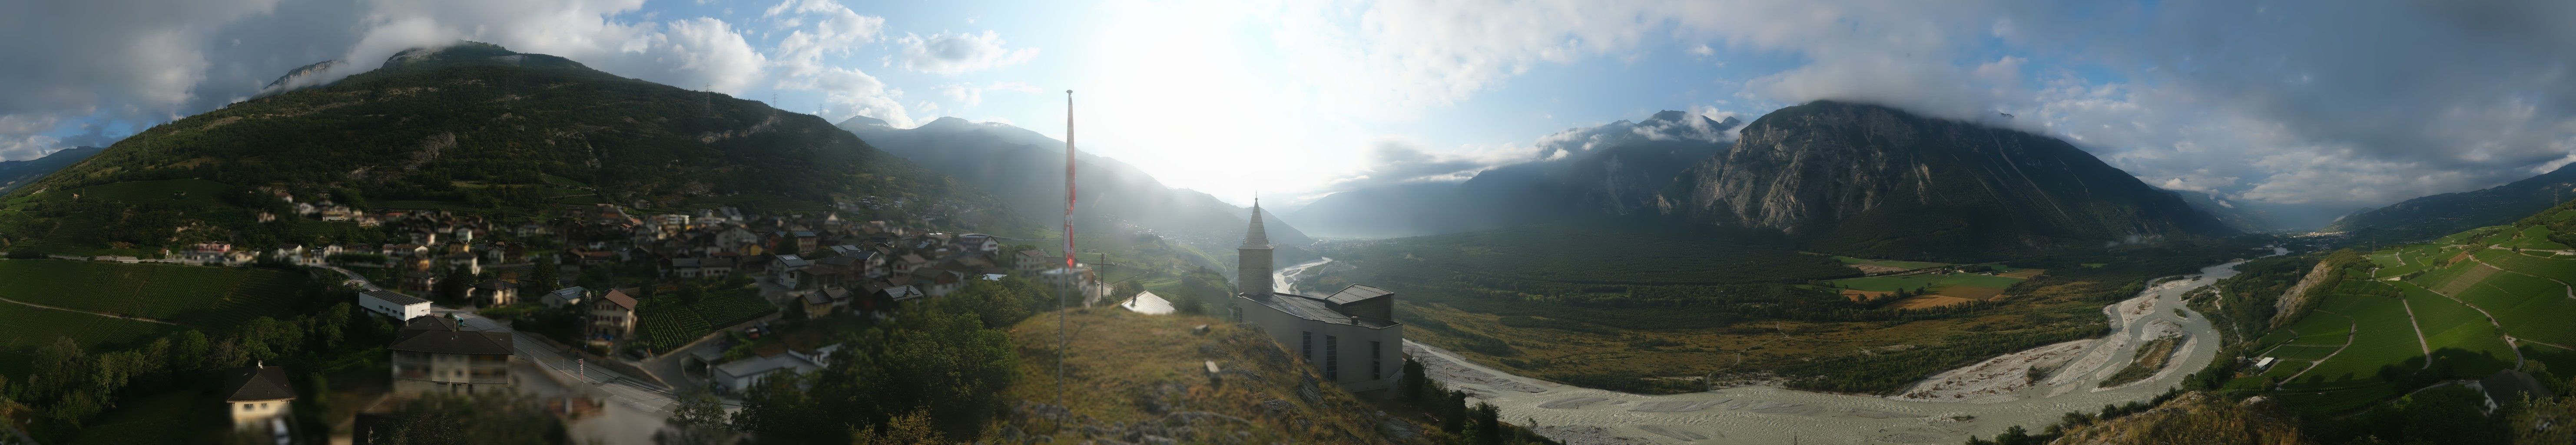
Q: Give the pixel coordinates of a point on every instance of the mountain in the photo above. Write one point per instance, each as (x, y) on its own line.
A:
(2431, 216)
(16, 173)
(1025, 170)
(470, 127)
(1613, 169)
(2241, 218)
(1851, 177)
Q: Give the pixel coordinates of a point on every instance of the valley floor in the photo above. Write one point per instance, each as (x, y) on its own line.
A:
(1981, 400)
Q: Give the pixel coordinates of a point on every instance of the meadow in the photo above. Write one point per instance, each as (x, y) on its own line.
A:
(24, 328)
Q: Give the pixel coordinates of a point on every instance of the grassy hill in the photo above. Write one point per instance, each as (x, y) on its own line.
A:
(471, 127)
(1134, 375)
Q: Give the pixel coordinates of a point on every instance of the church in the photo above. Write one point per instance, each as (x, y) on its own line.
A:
(1351, 336)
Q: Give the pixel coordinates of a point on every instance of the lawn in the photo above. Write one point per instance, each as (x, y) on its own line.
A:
(211, 298)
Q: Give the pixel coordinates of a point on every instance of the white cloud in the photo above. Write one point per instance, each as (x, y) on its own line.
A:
(947, 53)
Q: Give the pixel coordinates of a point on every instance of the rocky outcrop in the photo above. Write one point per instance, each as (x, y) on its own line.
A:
(1859, 177)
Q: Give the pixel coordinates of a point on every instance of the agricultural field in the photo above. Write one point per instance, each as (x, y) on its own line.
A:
(210, 298)
(1870, 265)
(668, 324)
(24, 328)
(1959, 285)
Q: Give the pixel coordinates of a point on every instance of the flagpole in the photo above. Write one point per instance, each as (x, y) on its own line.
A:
(1061, 341)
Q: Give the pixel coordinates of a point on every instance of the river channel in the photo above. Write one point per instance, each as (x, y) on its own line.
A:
(1768, 414)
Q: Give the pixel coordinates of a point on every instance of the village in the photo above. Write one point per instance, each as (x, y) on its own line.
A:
(613, 314)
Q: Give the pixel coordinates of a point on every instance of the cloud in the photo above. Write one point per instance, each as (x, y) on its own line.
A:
(968, 95)
(946, 53)
(1396, 160)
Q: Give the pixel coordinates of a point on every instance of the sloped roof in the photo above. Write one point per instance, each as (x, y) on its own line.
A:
(439, 335)
(248, 384)
(1356, 293)
(395, 297)
(1317, 309)
(619, 296)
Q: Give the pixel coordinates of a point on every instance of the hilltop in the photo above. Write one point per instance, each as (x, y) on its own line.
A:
(17, 173)
(1139, 378)
(473, 128)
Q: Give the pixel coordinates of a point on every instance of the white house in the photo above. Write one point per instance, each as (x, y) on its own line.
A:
(392, 304)
(256, 394)
(735, 376)
(564, 297)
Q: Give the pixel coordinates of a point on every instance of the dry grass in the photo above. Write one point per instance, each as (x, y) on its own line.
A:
(1931, 301)
(2024, 273)
(1129, 368)
(1864, 296)
(2194, 418)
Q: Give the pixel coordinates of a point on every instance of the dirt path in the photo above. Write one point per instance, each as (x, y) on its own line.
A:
(2348, 334)
(2419, 332)
(102, 314)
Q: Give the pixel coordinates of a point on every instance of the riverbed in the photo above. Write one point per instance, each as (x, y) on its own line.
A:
(1768, 414)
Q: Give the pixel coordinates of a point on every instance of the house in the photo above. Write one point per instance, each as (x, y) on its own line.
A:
(391, 304)
(717, 266)
(496, 293)
(735, 376)
(786, 268)
(819, 304)
(900, 294)
(909, 263)
(2508, 387)
(1351, 335)
(978, 243)
(1030, 261)
(419, 281)
(436, 355)
(564, 297)
(683, 267)
(256, 394)
(612, 316)
(2265, 363)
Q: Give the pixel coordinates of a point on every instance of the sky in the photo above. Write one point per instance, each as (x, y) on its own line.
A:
(2314, 107)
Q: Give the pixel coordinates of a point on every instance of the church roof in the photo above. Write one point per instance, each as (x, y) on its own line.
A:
(1254, 236)
(1317, 309)
(1357, 293)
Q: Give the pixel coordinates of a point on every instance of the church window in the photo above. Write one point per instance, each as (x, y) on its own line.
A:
(1332, 358)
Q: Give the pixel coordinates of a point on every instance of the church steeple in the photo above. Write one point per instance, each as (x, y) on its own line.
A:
(1252, 270)
(1254, 236)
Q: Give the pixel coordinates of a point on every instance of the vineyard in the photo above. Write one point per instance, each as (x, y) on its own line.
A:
(669, 324)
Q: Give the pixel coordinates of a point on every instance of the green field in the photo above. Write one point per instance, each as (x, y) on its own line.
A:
(1907, 265)
(1967, 285)
(2386, 337)
(177, 417)
(211, 298)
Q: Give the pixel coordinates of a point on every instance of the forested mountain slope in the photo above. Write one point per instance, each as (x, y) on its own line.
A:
(471, 127)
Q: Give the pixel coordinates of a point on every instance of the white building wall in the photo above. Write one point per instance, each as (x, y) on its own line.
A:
(1353, 366)
(254, 414)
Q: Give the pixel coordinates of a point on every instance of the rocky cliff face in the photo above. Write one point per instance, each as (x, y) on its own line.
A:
(1859, 177)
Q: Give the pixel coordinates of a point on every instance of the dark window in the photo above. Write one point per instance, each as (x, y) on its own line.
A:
(1306, 347)
(1374, 362)
(1332, 358)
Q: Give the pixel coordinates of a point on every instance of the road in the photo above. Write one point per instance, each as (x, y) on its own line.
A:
(623, 389)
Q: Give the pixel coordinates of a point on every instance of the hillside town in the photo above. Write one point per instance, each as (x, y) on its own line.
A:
(601, 296)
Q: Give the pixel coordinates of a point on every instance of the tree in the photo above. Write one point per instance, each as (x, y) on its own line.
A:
(541, 280)
(907, 429)
(698, 420)
(189, 353)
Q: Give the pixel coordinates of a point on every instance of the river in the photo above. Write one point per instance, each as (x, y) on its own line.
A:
(1767, 414)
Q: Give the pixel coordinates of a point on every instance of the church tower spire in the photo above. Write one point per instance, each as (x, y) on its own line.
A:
(1252, 275)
